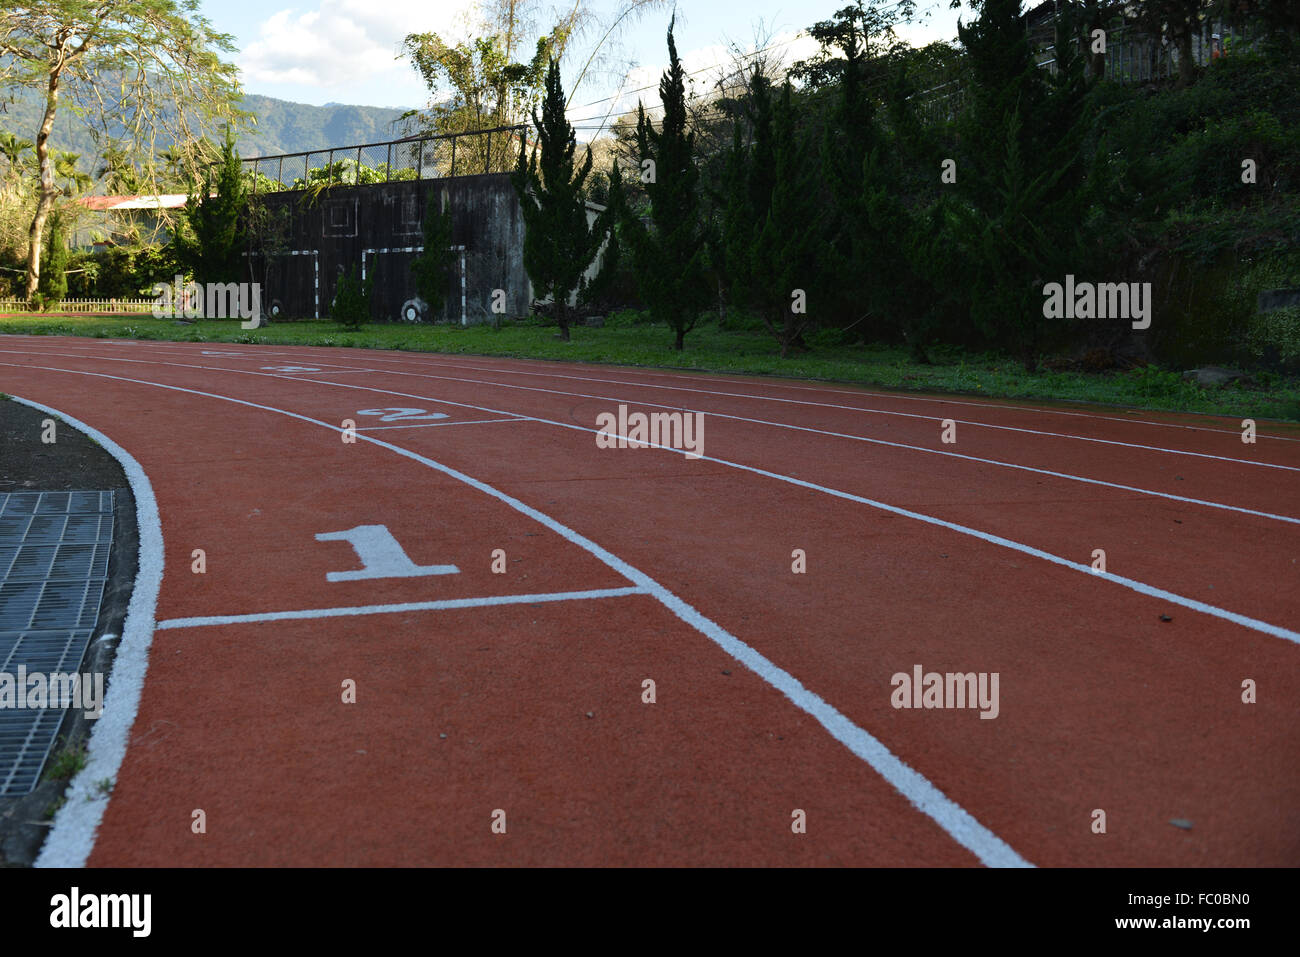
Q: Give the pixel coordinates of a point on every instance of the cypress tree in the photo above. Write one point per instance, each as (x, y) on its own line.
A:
(747, 183)
(784, 258)
(612, 263)
(558, 244)
(54, 275)
(213, 253)
(432, 268)
(669, 255)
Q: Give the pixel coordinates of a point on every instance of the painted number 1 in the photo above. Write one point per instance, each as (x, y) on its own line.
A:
(381, 556)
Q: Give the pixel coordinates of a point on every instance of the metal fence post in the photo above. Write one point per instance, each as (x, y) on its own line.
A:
(388, 167)
(487, 159)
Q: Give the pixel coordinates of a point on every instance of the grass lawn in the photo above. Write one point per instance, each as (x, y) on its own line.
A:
(709, 349)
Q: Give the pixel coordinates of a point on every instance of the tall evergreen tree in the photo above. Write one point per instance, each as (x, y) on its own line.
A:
(54, 277)
(213, 250)
(784, 258)
(431, 269)
(747, 186)
(669, 255)
(607, 225)
(558, 244)
(1004, 82)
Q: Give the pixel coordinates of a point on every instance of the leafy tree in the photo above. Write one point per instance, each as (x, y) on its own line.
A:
(213, 216)
(558, 244)
(487, 82)
(669, 254)
(432, 267)
(141, 68)
(855, 38)
(498, 79)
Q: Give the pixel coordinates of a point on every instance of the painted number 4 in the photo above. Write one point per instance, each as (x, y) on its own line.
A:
(381, 556)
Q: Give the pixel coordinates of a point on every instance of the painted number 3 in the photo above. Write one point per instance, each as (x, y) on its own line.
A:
(396, 413)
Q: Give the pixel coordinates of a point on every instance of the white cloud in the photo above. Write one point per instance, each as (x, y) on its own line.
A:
(341, 43)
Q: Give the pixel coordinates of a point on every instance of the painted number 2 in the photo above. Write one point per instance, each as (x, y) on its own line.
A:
(381, 556)
(398, 412)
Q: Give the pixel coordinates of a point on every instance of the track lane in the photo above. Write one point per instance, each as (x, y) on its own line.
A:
(1284, 769)
(1150, 420)
(141, 808)
(1045, 513)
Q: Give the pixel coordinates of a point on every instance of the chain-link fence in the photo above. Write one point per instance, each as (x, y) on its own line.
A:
(414, 158)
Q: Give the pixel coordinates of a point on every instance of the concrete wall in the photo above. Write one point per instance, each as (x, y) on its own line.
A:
(384, 221)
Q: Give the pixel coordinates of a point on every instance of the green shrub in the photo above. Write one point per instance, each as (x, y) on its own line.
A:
(122, 272)
(828, 338)
(1276, 335)
(1153, 382)
(352, 300)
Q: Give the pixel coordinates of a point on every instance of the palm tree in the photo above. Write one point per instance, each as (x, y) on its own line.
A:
(12, 148)
(65, 167)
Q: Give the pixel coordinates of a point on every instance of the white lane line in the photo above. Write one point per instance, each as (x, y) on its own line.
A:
(1206, 503)
(884, 395)
(1132, 584)
(435, 425)
(909, 415)
(990, 849)
(73, 834)
(201, 621)
(857, 438)
(444, 361)
(866, 393)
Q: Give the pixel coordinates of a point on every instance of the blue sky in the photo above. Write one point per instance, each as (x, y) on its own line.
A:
(344, 51)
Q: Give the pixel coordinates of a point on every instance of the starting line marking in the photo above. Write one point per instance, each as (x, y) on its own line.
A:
(442, 605)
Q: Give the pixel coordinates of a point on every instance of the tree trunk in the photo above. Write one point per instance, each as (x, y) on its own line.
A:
(1186, 65)
(680, 343)
(562, 317)
(47, 192)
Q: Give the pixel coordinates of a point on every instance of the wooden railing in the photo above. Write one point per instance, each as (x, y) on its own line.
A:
(88, 306)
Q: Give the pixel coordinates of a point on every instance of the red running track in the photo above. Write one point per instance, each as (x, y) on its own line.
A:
(521, 696)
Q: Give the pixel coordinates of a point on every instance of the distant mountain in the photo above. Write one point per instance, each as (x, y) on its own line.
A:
(282, 126)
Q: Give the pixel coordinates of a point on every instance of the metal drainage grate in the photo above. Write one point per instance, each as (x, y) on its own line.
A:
(53, 564)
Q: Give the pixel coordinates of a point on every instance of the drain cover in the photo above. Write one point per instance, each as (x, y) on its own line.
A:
(53, 564)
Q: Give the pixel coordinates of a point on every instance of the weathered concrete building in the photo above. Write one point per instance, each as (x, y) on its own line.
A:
(379, 229)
